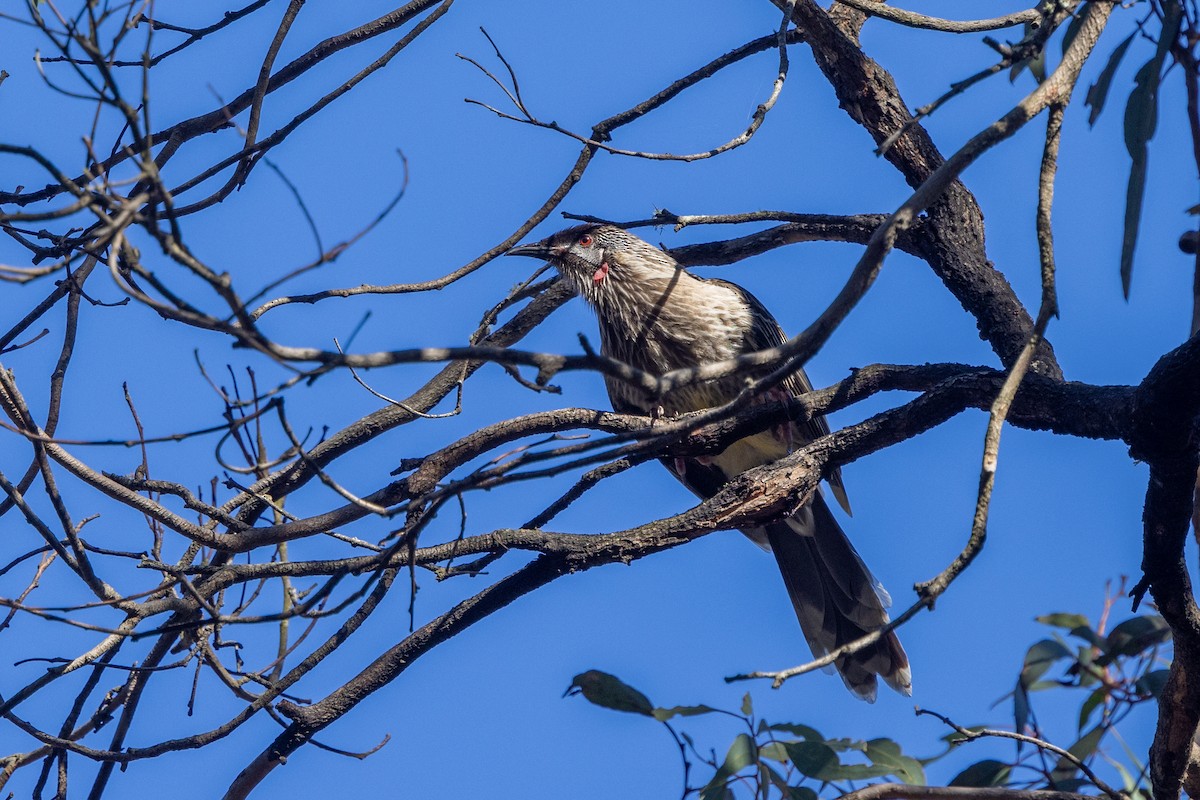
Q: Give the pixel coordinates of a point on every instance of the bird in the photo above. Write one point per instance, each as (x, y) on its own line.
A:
(656, 316)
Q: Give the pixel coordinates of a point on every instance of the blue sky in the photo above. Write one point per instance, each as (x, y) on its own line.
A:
(484, 714)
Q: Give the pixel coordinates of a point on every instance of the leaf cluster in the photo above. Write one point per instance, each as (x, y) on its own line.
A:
(1118, 671)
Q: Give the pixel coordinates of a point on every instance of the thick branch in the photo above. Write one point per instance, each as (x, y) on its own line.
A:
(897, 791)
(1166, 436)
(956, 252)
(914, 20)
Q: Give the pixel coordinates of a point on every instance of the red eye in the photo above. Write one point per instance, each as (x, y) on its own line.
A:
(586, 240)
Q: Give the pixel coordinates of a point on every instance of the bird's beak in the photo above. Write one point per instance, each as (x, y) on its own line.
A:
(540, 249)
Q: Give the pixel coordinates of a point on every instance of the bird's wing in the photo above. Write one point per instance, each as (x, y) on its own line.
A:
(765, 333)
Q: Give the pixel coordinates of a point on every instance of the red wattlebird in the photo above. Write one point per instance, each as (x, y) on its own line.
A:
(656, 316)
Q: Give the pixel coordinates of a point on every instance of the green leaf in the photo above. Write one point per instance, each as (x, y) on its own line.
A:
(1082, 749)
(774, 751)
(717, 790)
(789, 792)
(1129, 784)
(1085, 667)
(764, 777)
(1064, 621)
(664, 714)
(1093, 701)
(886, 753)
(747, 705)
(1141, 119)
(800, 793)
(776, 780)
(1090, 636)
(1020, 711)
(860, 772)
(1040, 657)
(742, 753)
(1065, 785)
(1141, 111)
(803, 731)
(1097, 93)
(1152, 682)
(1135, 190)
(608, 691)
(983, 774)
(1137, 634)
(818, 760)
(814, 759)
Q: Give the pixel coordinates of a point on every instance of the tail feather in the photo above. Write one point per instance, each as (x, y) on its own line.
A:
(837, 599)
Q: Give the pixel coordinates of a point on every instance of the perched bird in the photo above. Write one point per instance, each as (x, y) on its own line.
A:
(656, 316)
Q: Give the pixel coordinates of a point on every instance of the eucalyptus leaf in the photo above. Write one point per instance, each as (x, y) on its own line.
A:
(1040, 657)
(1141, 119)
(814, 759)
(1137, 634)
(1152, 682)
(1129, 783)
(1068, 784)
(1020, 711)
(818, 760)
(774, 751)
(1085, 669)
(664, 714)
(742, 753)
(844, 745)
(861, 772)
(1064, 621)
(1090, 705)
(717, 790)
(800, 793)
(1090, 636)
(886, 753)
(1097, 93)
(1083, 748)
(803, 731)
(787, 792)
(983, 774)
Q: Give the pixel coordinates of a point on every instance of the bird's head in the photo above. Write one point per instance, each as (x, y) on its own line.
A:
(602, 260)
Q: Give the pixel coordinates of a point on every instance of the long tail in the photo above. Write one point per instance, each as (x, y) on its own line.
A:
(837, 599)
